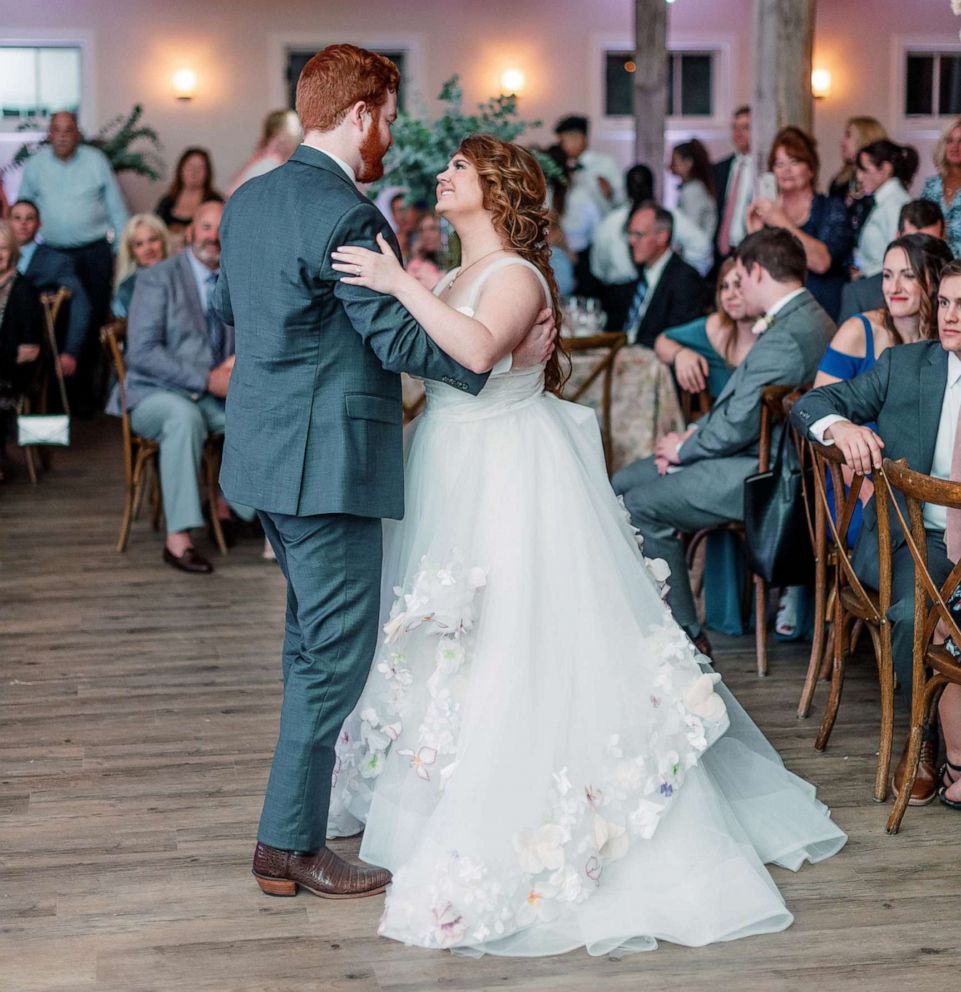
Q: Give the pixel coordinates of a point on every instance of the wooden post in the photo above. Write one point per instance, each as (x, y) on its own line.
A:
(783, 41)
(650, 85)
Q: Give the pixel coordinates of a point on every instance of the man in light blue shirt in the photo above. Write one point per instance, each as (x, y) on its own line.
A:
(80, 202)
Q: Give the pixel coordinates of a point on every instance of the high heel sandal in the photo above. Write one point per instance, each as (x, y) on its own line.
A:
(943, 788)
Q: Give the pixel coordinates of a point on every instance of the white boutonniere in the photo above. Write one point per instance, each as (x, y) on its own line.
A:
(762, 324)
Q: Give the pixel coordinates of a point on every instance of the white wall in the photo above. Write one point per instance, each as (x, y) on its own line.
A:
(236, 48)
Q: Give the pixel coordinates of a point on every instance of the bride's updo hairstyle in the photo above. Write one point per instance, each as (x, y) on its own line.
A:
(515, 194)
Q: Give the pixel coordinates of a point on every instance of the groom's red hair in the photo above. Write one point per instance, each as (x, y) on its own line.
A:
(337, 78)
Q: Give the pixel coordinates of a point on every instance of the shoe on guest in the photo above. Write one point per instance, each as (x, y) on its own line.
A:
(190, 561)
(703, 645)
(323, 873)
(926, 781)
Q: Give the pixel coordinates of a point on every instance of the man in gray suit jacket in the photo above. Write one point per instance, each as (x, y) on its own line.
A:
(314, 438)
(179, 360)
(696, 479)
(913, 394)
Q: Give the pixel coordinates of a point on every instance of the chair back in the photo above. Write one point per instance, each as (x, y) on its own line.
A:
(603, 348)
(772, 413)
(930, 600)
(112, 337)
(695, 405)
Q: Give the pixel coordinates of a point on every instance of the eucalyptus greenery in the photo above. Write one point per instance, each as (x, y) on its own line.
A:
(114, 139)
(422, 147)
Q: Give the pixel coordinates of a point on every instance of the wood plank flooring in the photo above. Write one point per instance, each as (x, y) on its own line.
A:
(138, 710)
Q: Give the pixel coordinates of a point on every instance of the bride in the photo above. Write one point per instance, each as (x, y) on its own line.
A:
(539, 756)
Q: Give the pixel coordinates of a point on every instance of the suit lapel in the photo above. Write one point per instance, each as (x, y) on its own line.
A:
(194, 304)
(932, 383)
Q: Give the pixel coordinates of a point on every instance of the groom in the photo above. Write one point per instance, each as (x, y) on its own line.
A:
(313, 434)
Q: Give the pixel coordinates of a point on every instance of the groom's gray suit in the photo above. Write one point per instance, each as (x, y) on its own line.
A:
(314, 441)
(708, 489)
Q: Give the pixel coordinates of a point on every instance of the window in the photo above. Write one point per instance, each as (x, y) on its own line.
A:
(690, 84)
(932, 84)
(36, 82)
(296, 60)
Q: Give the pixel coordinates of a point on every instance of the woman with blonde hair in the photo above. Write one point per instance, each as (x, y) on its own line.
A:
(282, 133)
(943, 188)
(858, 132)
(534, 708)
(144, 242)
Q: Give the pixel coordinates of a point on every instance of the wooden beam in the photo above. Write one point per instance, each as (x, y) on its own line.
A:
(650, 85)
(783, 41)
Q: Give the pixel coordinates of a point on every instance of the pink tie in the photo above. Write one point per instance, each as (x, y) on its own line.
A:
(724, 234)
(952, 530)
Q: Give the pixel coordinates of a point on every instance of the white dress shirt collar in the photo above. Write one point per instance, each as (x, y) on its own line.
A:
(201, 274)
(653, 273)
(783, 302)
(346, 168)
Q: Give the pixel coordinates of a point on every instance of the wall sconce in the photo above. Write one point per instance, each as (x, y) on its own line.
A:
(184, 84)
(820, 83)
(512, 81)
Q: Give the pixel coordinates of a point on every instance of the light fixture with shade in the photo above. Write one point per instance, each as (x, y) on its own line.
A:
(512, 81)
(820, 83)
(184, 83)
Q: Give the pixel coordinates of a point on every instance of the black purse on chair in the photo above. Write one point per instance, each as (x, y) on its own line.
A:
(776, 519)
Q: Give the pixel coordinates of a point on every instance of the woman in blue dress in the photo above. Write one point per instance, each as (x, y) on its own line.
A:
(704, 354)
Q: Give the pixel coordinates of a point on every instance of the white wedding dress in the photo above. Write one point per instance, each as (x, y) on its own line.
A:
(539, 755)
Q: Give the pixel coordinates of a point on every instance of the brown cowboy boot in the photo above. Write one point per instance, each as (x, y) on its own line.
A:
(279, 873)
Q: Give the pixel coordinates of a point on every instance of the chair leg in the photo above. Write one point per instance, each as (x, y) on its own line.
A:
(817, 642)
(760, 624)
(128, 504)
(856, 632)
(210, 477)
(30, 457)
(837, 680)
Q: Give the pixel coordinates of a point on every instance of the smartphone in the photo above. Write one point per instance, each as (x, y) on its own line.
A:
(766, 187)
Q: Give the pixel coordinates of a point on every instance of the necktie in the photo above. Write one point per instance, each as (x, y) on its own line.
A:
(730, 205)
(634, 314)
(952, 530)
(215, 329)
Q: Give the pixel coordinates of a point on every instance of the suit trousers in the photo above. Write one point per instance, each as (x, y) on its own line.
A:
(332, 563)
(181, 425)
(901, 611)
(660, 506)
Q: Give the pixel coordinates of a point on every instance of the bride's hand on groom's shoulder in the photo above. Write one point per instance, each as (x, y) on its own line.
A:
(538, 346)
(380, 271)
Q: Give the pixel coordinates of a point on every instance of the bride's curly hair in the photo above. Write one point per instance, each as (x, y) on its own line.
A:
(515, 193)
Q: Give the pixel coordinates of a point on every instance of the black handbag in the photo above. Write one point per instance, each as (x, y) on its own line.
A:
(776, 521)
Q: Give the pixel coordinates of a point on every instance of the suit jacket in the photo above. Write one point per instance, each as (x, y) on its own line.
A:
(722, 173)
(860, 296)
(786, 354)
(168, 343)
(21, 323)
(314, 410)
(903, 394)
(680, 296)
(50, 269)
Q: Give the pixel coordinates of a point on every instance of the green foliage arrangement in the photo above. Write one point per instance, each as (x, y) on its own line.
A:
(423, 147)
(115, 140)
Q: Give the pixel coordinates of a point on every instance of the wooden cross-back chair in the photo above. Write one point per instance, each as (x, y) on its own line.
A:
(141, 454)
(695, 405)
(604, 348)
(851, 601)
(36, 398)
(933, 666)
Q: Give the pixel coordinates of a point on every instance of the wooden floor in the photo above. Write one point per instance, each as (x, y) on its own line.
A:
(138, 709)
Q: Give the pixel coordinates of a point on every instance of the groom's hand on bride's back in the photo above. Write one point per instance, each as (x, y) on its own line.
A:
(538, 346)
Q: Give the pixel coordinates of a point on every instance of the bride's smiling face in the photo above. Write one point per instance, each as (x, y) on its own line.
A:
(458, 188)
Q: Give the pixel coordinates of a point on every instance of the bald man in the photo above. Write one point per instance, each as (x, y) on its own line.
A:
(179, 360)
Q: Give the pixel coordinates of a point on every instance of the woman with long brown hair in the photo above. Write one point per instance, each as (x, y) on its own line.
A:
(193, 184)
(534, 708)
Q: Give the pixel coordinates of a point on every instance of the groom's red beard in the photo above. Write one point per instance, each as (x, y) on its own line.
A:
(372, 151)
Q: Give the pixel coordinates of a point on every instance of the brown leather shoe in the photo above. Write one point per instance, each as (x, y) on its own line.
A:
(190, 561)
(925, 782)
(280, 872)
(702, 644)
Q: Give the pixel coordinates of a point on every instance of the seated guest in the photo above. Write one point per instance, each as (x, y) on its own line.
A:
(885, 169)
(861, 295)
(696, 479)
(913, 394)
(819, 222)
(696, 198)
(48, 270)
(20, 317)
(179, 360)
(427, 250)
(668, 291)
(193, 184)
(144, 242)
(562, 258)
(943, 188)
(579, 217)
(704, 354)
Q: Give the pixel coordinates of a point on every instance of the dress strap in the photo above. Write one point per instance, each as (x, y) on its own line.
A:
(502, 263)
(868, 337)
(445, 281)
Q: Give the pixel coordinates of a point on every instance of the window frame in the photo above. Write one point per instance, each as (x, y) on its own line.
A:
(919, 125)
